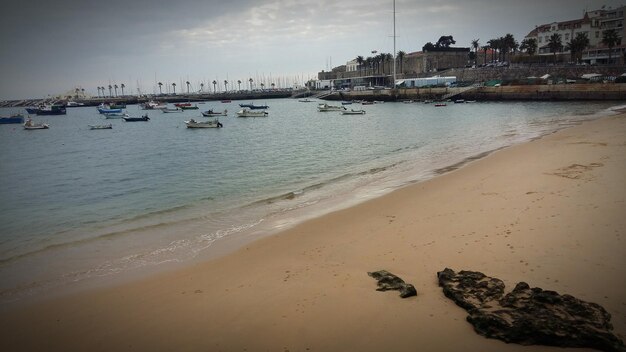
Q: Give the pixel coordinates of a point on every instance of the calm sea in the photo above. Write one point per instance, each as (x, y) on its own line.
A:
(78, 204)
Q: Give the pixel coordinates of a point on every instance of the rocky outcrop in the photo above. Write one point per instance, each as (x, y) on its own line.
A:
(388, 281)
(529, 316)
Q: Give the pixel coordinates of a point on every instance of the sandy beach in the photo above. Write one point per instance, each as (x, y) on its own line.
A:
(551, 212)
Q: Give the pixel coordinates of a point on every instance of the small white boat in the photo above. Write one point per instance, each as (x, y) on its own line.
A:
(204, 124)
(250, 113)
(30, 125)
(101, 127)
(353, 112)
(325, 107)
(307, 100)
(210, 113)
(168, 110)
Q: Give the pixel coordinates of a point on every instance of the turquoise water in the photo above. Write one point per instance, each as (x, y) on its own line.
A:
(78, 204)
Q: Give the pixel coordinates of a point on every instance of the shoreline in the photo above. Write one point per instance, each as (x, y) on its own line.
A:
(548, 212)
(275, 222)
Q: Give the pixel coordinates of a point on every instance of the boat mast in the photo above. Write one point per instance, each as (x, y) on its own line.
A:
(394, 45)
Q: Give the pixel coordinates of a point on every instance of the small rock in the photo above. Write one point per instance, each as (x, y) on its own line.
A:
(388, 281)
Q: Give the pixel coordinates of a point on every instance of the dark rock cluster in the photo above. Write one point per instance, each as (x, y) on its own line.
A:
(388, 281)
(529, 316)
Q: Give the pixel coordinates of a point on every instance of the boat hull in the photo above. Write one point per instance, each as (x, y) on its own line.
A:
(12, 119)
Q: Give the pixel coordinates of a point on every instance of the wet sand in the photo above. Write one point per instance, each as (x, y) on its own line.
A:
(551, 212)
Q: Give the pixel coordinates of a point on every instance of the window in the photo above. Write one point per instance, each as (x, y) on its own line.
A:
(540, 39)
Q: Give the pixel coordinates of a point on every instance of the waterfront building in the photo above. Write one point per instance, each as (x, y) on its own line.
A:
(592, 24)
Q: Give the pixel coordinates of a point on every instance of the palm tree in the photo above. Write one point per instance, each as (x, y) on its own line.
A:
(226, 85)
(554, 43)
(214, 84)
(202, 87)
(508, 43)
(187, 83)
(262, 85)
(475, 45)
(82, 90)
(529, 45)
(273, 85)
(389, 59)
(115, 87)
(160, 91)
(577, 45)
(400, 56)
(610, 38)
(110, 94)
(494, 44)
(239, 83)
(174, 87)
(122, 86)
(360, 60)
(485, 49)
(250, 80)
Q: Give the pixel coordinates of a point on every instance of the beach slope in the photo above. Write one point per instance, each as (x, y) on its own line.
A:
(551, 212)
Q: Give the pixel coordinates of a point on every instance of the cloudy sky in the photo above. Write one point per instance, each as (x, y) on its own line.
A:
(51, 46)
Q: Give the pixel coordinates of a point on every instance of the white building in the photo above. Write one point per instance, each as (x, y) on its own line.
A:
(352, 66)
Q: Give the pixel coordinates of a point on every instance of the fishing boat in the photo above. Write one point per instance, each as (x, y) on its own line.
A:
(51, 109)
(353, 112)
(134, 119)
(226, 101)
(249, 113)
(169, 110)
(254, 107)
(459, 101)
(30, 125)
(194, 107)
(180, 105)
(204, 124)
(440, 104)
(346, 103)
(306, 100)
(73, 104)
(117, 106)
(114, 115)
(365, 102)
(101, 127)
(17, 118)
(210, 113)
(325, 107)
(32, 110)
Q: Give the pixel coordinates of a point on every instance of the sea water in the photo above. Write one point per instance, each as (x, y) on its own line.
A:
(79, 204)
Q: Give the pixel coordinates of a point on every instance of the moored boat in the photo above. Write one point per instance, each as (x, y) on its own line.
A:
(440, 104)
(17, 118)
(180, 105)
(305, 100)
(30, 125)
(226, 100)
(151, 105)
(169, 110)
(109, 111)
(115, 115)
(254, 107)
(210, 113)
(134, 119)
(101, 127)
(204, 124)
(353, 112)
(250, 113)
(325, 107)
(73, 104)
(51, 109)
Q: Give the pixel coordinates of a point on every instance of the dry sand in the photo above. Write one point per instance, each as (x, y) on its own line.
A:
(550, 212)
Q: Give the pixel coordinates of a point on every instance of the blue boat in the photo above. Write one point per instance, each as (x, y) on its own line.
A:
(18, 118)
(254, 107)
(32, 110)
(109, 111)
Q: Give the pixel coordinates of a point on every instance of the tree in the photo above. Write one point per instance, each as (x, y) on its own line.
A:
(529, 45)
(475, 46)
(226, 85)
(122, 86)
(508, 44)
(160, 90)
(555, 44)
(262, 85)
(389, 59)
(485, 49)
(360, 61)
(174, 87)
(110, 94)
(577, 45)
(250, 80)
(400, 56)
(214, 84)
(429, 47)
(187, 83)
(202, 87)
(610, 38)
(273, 85)
(115, 87)
(445, 41)
(239, 83)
